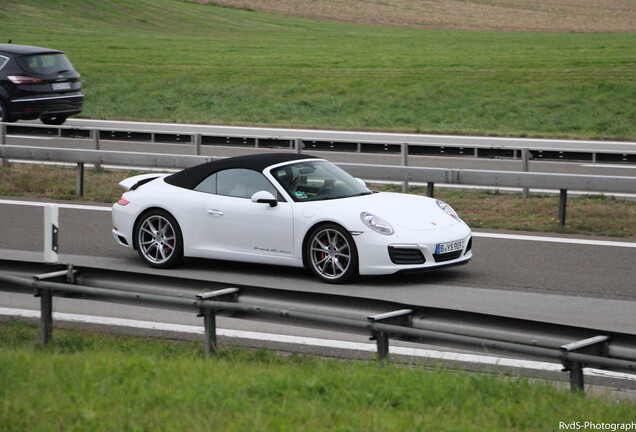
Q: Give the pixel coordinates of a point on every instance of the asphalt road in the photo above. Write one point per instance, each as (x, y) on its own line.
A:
(506, 264)
(509, 276)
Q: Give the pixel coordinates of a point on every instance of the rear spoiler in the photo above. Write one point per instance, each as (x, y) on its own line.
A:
(132, 183)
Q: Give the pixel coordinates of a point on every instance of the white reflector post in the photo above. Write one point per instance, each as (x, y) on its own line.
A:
(51, 230)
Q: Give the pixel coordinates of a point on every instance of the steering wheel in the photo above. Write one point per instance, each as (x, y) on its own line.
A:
(327, 186)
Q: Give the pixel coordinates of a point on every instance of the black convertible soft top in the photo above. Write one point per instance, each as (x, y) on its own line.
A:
(189, 178)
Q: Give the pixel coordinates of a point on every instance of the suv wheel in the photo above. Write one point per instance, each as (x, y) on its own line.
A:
(4, 113)
(53, 120)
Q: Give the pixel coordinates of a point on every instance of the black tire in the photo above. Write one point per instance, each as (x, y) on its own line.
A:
(331, 254)
(158, 239)
(4, 113)
(53, 120)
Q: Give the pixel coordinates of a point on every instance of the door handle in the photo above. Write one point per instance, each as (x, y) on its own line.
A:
(216, 212)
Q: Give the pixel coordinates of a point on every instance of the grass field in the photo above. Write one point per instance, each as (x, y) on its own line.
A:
(593, 215)
(89, 382)
(173, 60)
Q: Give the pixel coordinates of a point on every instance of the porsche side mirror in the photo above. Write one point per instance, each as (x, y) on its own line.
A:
(264, 197)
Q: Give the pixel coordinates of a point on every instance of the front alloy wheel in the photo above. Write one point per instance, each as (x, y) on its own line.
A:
(159, 241)
(332, 254)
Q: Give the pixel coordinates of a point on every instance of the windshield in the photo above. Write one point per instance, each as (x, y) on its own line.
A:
(317, 180)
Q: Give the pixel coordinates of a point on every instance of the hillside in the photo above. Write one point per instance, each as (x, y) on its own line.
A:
(492, 15)
(180, 61)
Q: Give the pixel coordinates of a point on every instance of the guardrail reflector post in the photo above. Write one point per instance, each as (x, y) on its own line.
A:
(51, 233)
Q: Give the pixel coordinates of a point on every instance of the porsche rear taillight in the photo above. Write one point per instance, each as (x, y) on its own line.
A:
(123, 201)
(21, 79)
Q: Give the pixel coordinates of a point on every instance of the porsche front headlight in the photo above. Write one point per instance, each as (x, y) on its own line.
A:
(447, 209)
(376, 223)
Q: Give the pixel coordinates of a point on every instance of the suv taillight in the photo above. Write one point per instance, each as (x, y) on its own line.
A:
(20, 79)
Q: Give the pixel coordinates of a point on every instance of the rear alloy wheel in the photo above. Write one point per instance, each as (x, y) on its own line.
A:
(4, 114)
(331, 254)
(159, 240)
(53, 120)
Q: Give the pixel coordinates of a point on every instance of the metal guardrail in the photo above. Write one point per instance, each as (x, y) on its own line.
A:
(592, 351)
(332, 141)
(430, 176)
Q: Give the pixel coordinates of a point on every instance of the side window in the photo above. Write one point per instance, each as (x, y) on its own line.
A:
(242, 183)
(208, 185)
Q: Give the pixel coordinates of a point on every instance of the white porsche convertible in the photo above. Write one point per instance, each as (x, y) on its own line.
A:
(287, 209)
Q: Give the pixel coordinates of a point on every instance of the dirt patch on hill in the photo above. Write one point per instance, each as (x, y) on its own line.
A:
(495, 15)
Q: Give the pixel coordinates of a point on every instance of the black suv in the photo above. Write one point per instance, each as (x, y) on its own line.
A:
(37, 83)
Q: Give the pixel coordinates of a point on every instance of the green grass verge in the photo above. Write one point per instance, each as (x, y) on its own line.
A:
(592, 214)
(173, 60)
(90, 382)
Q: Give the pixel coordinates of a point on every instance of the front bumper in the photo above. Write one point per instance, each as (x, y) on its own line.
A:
(380, 254)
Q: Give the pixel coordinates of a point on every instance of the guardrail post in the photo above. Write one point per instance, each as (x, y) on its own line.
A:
(3, 141)
(46, 301)
(298, 145)
(79, 188)
(525, 166)
(51, 231)
(563, 198)
(46, 315)
(400, 317)
(209, 324)
(197, 144)
(598, 346)
(96, 140)
(209, 316)
(405, 162)
(430, 189)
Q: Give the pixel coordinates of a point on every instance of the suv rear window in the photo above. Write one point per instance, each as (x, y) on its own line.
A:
(45, 63)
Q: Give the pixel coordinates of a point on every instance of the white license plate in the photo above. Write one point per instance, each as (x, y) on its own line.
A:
(450, 247)
(61, 86)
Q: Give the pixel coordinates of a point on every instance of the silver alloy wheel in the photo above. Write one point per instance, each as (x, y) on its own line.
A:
(156, 239)
(330, 253)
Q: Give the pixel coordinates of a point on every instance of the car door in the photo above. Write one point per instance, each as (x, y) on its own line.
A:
(237, 224)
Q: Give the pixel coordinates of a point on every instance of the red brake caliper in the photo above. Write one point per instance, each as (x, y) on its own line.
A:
(322, 254)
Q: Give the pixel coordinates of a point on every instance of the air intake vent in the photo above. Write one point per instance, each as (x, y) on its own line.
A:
(405, 255)
(447, 256)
